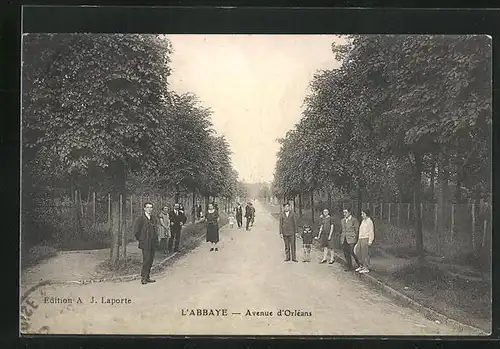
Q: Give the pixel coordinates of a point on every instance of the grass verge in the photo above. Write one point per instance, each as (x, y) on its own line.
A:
(37, 254)
(467, 301)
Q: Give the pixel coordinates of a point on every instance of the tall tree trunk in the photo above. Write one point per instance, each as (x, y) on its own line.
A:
(329, 195)
(360, 198)
(177, 194)
(294, 205)
(193, 209)
(207, 201)
(433, 175)
(458, 189)
(418, 219)
(442, 194)
(312, 206)
(300, 205)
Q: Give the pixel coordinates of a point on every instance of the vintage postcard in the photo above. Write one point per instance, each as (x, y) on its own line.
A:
(327, 185)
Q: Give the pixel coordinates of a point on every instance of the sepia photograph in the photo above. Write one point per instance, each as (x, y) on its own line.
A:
(256, 184)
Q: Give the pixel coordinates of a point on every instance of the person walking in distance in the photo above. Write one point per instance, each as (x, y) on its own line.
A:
(325, 236)
(197, 210)
(177, 221)
(212, 218)
(349, 237)
(365, 239)
(252, 220)
(145, 229)
(239, 215)
(248, 215)
(288, 228)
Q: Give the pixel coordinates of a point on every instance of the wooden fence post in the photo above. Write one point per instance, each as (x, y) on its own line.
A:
(399, 209)
(485, 225)
(389, 213)
(436, 218)
(109, 211)
(93, 208)
(408, 215)
(115, 231)
(452, 230)
(123, 231)
(473, 228)
(131, 210)
(381, 214)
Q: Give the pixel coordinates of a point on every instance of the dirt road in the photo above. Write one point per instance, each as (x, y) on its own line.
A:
(247, 275)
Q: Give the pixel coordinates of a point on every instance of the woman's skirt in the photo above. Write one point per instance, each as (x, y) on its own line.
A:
(212, 232)
(327, 243)
(163, 233)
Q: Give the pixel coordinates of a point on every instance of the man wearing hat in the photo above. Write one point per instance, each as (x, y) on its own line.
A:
(177, 220)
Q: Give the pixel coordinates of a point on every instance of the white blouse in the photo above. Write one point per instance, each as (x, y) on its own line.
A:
(366, 230)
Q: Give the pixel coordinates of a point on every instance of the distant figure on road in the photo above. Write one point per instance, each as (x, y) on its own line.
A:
(198, 210)
(212, 219)
(365, 239)
(145, 231)
(177, 221)
(164, 229)
(288, 229)
(325, 236)
(252, 208)
(307, 240)
(248, 215)
(239, 215)
(349, 237)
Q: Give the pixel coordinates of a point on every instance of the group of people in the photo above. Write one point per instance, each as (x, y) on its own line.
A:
(163, 232)
(355, 238)
(153, 233)
(238, 214)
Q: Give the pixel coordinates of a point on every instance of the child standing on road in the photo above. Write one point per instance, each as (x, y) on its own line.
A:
(231, 220)
(307, 240)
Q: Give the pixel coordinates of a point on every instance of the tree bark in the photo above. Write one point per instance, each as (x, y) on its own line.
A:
(442, 194)
(433, 175)
(193, 209)
(418, 218)
(329, 196)
(300, 205)
(312, 206)
(360, 198)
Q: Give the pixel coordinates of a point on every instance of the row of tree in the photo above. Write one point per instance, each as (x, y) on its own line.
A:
(399, 112)
(98, 115)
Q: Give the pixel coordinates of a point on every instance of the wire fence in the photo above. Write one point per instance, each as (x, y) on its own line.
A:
(66, 220)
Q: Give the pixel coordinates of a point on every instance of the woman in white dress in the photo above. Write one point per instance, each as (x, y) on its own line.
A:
(164, 229)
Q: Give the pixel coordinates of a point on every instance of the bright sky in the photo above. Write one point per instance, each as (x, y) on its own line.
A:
(255, 86)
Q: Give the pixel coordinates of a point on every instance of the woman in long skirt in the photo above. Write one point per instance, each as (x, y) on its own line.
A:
(326, 236)
(212, 219)
(164, 229)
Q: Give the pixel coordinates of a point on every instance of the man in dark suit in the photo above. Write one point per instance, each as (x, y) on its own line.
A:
(288, 229)
(239, 215)
(349, 237)
(253, 214)
(177, 220)
(145, 229)
(248, 215)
